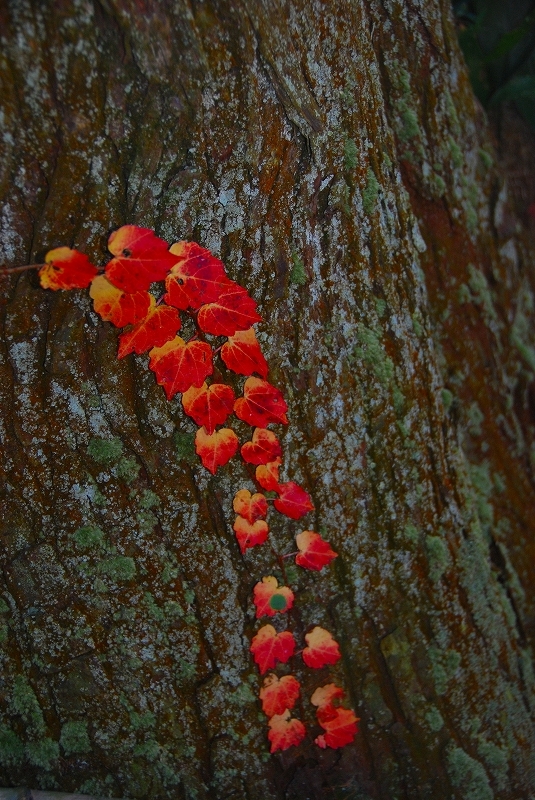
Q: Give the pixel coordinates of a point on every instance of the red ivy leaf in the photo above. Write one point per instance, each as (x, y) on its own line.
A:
(140, 258)
(197, 277)
(250, 534)
(279, 694)
(178, 365)
(263, 448)
(115, 306)
(268, 647)
(324, 695)
(284, 732)
(217, 448)
(267, 475)
(261, 404)
(252, 507)
(242, 354)
(66, 269)
(293, 501)
(209, 405)
(234, 310)
(322, 648)
(270, 598)
(315, 551)
(340, 727)
(159, 326)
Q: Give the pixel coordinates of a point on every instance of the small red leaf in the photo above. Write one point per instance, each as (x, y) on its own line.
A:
(263, 447)
(267, 475)
(209, 405)
(279, 694)
(197, 277)
(242, 354)
(284, 732)
(324, 695)
(249, 534)
(261, 404)
(270, 598)
(293, 501)
(129, 240)
(115, 306)
(233, 311)
(178, 365)
(217, 448)
(252, 507)
(268, 647)
(159, 326)
(340, 727)
(140, 258)
(315, 551)
(66, 269)
(322, 648)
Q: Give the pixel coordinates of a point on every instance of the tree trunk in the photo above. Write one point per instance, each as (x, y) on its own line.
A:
(332, 154)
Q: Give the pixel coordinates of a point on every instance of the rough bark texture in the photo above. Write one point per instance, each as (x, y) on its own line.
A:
(333, 155)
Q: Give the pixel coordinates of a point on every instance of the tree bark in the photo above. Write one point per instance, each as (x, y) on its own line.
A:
(333, 155)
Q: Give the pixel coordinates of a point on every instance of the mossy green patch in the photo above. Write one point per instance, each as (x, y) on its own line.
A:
(89, 536)
(11, 747)
(75, 738)
(481, 293)
(149, 749)
(105, 451)
(350, 154)
(4, 608)
(298, 276)
(447, 399)
(434, 719)
(185, 447)
(142, 722)
(25, 703)
(370, 192)
(486, 158)
(4, 633)
(149, 500)
(43, 752)
(438, 557)
(128, 469)
(118, 568)
(467, 775)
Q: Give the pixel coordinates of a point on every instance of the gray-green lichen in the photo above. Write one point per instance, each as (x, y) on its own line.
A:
(467, 775)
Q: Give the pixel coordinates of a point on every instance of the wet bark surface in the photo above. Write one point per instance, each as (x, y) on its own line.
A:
(333, 155)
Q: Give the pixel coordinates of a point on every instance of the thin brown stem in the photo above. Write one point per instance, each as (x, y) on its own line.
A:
(11, 270)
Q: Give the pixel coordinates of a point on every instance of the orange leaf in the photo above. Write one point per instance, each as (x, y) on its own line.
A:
(315, 551)
(209, 405)
(284, 732)
(340, 726)
(159, 326)
(322, 648)
(263, 447)
(66, 269)
(324, 695)
(252, 507)
(261, 404)
(197, 277)
(233, 311)
(248, 535)
(178, 365)
(242, 354)
(279, 694)
(215, 449)
(140, 258)
(268, 647)
(113, 305)
(293, 501)
(267, 475)
(270, 598)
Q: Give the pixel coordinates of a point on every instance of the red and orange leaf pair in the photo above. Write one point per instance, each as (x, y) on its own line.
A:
(158, 327)
(284, 732)
(261, 404)
(279, 694)
(315, 552)
(250, 534)
(252, 507)
(242, 354)
(178, 365)
(321, 648)
(118, 307)
(268, 647)
(270, 598)
(217, 448)
(263, 448)
(66, 269)
(209, 405)
(141, 258)
(339, 724)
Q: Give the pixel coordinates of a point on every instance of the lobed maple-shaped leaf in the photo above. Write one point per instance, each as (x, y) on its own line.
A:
(279, 694)
(270, 598)
(293, 501)
(140, 258)
(197, 277)
(234, 310)
(159, 326)
(324, 695)
(284, 732)
(250, 534)
(115, 306)
(261, 404)
(252, 507)
(66, 269)
(178, 365)
(268, 647)
(215, 449)
(322, 648)
(242, 354)
(263, 447)
(315, 551)
(209, 405)
(340, 726)
(267, 475)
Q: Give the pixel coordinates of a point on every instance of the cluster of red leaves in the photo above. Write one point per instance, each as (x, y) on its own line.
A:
(197, 285)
